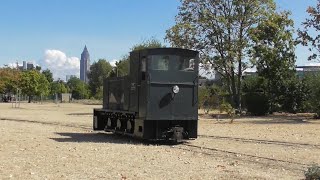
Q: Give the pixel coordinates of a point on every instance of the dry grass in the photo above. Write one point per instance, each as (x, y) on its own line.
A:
(55, 141)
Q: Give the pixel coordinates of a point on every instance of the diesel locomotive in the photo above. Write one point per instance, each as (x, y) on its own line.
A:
(158, 100)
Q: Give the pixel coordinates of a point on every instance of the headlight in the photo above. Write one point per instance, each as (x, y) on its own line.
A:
(175, 89)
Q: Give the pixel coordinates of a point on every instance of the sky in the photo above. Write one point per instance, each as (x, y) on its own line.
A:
(53, 33)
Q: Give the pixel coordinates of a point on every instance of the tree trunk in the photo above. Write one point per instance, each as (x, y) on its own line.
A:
(239, 86)
(233, 88)
(29, 99)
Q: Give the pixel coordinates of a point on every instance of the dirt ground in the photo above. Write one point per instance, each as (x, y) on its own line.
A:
(55, 141)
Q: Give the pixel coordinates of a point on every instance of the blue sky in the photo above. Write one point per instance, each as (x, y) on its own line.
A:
(109, 28)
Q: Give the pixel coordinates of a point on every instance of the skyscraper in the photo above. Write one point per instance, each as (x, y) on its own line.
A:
(84, 65)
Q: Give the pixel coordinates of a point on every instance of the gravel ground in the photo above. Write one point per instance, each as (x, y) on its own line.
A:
(50, 141)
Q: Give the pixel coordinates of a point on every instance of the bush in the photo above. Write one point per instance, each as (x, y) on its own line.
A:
(209, 97)
(313, 173)
(295, 96)
(257, 103)
(313, 83)
(255, 96)
(226, 107)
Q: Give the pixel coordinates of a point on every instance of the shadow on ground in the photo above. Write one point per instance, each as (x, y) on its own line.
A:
(92, 137)
(80, 114)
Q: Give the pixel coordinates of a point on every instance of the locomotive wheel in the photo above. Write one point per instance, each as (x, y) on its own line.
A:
(118, 124)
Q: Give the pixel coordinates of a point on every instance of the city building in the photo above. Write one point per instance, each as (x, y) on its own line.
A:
(305, 70)
(26, 66)
(84, 65)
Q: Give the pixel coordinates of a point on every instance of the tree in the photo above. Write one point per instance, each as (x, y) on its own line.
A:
(48, 74)
(9, 80)
(78, 88)
(255, 95)
(220, 31)
(122, 66)
(312, 82)
(309, 36)
(58, 87)
(273, 54)
(44, 86)
(149, 43)
(33, 83)
(38, 68)
(98, 72)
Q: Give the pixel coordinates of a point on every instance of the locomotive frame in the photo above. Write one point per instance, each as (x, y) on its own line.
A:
(158, 100)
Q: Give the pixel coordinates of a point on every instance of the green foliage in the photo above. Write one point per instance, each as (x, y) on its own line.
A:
(257, 103)
(206, 99)
(98, 72)
(210, 97)
(307, 37)
(38, 68)
(312, 82)
(255, 97)
(273, 54)
(99, 94)
(295, 96)
(219, 30)
(9, 80)
(33, 83)
(58, 87)
(226, 107)
(48, 74)
(44, 86)
(122, 66)
(149, 43)
(313, 173)
(254, 84)
(273, 48)
(78, 88)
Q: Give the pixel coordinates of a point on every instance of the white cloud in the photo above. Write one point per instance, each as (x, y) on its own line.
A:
(60, 64)
(113, 62)
(13, 65)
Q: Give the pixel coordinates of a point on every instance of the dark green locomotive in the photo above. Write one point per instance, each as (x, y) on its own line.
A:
(158, 100)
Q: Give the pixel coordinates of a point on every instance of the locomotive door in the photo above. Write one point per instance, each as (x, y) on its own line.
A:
(169, 71)
(134, 82)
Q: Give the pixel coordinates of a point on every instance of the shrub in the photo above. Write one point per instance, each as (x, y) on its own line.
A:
(209, 97)
(313, 83)
(226, 107)
(255, 96)
(313, 173)
(257, 103)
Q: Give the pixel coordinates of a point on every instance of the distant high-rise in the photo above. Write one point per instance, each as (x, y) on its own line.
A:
(84, 65)
(24, 66)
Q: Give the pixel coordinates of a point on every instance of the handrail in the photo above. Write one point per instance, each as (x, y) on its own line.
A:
(173, 83)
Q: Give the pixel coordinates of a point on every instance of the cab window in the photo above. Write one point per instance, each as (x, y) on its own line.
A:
(186, 64)
(160, 62)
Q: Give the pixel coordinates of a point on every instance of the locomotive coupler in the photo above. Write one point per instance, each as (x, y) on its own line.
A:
(176, 134)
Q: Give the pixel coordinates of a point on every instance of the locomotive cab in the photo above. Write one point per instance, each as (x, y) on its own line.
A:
(157, 100)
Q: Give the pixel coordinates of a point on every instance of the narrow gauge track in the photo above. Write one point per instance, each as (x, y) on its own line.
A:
(272, 162)
(260, 141)
(206, 150)
(46, 123)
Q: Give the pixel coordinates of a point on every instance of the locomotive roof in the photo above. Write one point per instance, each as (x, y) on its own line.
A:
(167, 50)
